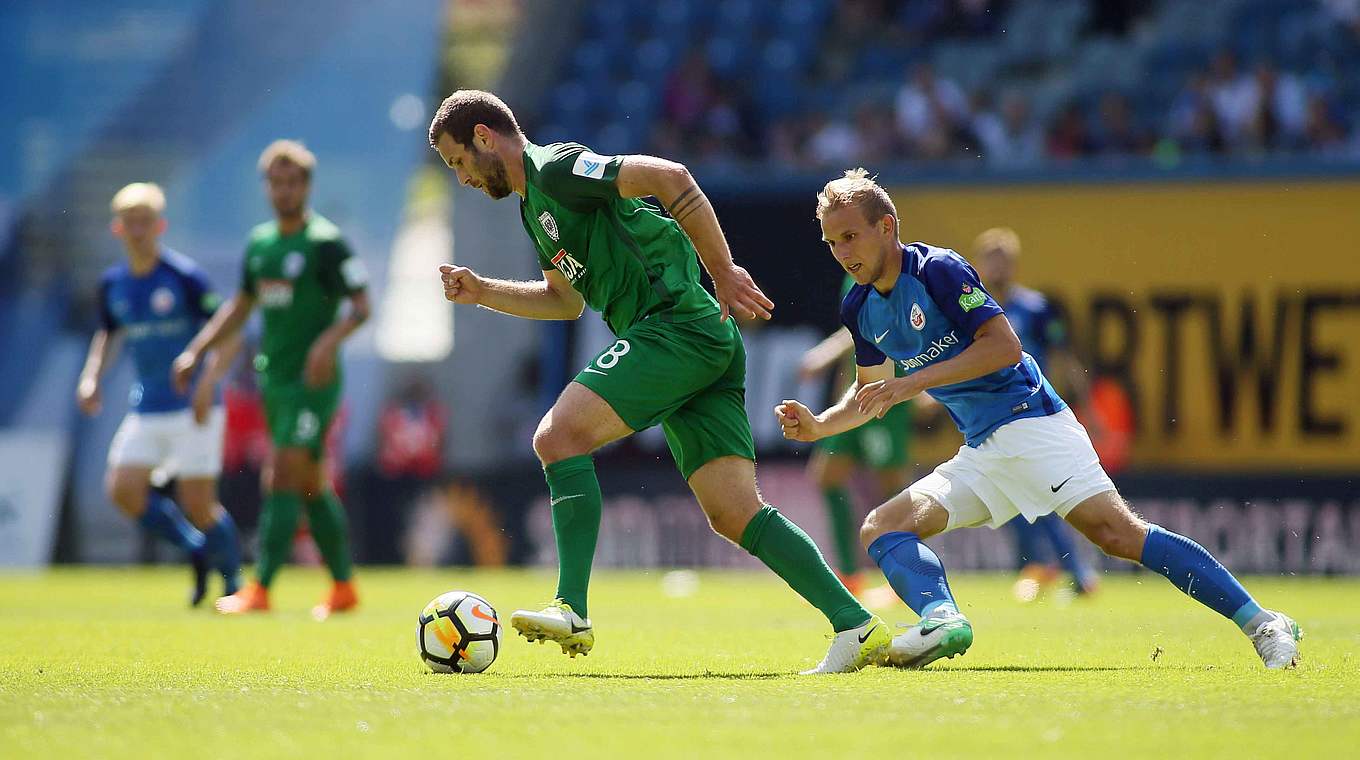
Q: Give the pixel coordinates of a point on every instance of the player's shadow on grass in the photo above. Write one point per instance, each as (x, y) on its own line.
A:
(1041, 668)
(663, 676)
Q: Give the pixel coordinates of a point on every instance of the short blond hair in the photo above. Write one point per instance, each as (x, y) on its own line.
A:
(1001, 239)
(288, 151)
(147, 195)
(856, 188)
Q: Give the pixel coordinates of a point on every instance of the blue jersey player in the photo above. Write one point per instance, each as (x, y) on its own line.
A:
(924, 309)
(1045, 544)
(156, 300)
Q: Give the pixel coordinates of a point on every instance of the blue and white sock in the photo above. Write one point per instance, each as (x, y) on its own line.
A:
(164, 519)
(1192, 569)
(913, 571)
(223, 545)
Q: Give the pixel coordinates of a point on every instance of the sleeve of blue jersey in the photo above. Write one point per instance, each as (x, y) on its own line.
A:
(106, 319)
(198, 288)
(948, 278)
(866, 353)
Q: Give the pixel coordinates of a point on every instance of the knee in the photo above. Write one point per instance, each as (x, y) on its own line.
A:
(908, 513)
(128, 497)
(1120, 539)
(202, 513)
(287, 477)
(882, 520)
(731, 520)
(553, 443)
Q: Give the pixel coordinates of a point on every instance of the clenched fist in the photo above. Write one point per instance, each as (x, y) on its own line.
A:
(461, 285)
(797, 421)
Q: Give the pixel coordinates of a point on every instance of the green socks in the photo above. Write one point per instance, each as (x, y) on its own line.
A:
(843, 532)
(330, 530)
(788, 551)
(576, 506)
(278, 523)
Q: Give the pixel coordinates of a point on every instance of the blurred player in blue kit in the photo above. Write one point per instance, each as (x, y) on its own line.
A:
(1046, 544)
(155, 301)
(924, 310)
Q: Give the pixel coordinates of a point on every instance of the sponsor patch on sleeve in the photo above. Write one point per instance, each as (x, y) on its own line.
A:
(590, 165)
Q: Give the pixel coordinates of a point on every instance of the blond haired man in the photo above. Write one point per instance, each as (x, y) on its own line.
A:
(924, 309)
(155, 301)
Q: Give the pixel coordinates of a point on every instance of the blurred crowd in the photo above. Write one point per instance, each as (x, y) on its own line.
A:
(1229, 107)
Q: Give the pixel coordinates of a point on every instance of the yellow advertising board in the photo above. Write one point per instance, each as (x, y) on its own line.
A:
(1229, 311)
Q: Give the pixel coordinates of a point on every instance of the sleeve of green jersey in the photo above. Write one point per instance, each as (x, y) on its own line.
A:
(342, 272)
(247, 276)
(579, 179)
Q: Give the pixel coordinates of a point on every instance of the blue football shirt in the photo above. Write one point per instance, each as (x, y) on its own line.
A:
(1039, 326)
(931, 315)
(158, 313)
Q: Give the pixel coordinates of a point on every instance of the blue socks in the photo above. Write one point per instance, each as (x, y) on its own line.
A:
(1193, 570)
(224, 550)
(164, 519)
(913, 571)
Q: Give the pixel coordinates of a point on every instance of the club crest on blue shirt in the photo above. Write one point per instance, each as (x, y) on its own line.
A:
(293, 264)
(918, 317)
(162, 301)
(971, 298)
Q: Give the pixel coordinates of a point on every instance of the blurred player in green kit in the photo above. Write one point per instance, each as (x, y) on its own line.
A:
(299, 271)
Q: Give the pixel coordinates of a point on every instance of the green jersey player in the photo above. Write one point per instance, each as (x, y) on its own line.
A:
(677, 362)
(299, 271)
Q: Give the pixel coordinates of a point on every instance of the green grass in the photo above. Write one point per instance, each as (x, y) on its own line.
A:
(106, 663)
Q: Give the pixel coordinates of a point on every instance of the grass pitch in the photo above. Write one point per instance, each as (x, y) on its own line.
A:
(107, 663)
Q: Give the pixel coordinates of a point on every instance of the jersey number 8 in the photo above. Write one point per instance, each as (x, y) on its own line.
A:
(609, 358)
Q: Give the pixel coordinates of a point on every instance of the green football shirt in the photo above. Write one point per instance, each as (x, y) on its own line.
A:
(628, 260)
(298, 280)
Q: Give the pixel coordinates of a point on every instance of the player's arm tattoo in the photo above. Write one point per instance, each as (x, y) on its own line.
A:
(686, 203)
(691, 190)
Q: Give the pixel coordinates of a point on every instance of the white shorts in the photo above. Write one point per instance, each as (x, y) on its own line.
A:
(1030, 467)
(171, 442)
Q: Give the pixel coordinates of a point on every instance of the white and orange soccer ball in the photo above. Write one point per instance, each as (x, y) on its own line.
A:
(459, 632)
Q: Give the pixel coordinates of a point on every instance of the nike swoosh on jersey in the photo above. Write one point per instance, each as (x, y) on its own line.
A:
(554, 502)
(879, 338)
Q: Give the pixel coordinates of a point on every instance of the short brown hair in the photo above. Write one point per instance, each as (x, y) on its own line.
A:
(462, 111)
(1003, 239)
(856, 188)
(289, 151)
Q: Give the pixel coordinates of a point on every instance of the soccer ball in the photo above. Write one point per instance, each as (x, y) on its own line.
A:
(459, 632)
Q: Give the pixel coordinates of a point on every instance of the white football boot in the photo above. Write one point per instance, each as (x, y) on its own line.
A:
(942, 633)
(854, 649)
(1277, 641)
(559, 623)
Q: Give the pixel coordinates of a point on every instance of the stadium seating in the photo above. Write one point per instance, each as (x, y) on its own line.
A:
(1043, 49)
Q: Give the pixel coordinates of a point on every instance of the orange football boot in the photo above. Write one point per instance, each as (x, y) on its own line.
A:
(1035, 578)
(341, 599)
(252, 597)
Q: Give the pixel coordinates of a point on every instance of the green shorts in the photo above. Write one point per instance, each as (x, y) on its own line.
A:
(689, 377)
(877, 444)
(298, 416)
